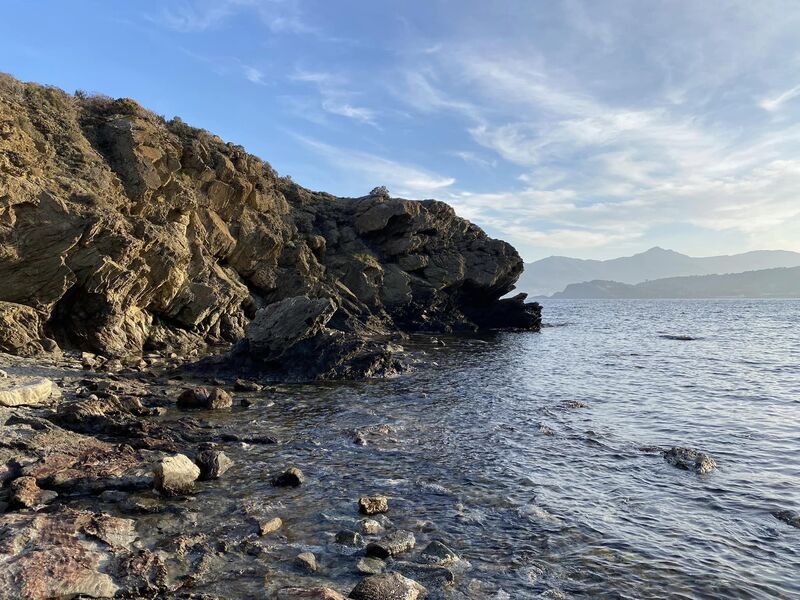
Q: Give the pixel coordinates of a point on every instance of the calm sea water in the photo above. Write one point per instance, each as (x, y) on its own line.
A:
(524, 452)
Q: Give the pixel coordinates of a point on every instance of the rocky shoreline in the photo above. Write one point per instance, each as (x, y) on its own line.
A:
(151, 271)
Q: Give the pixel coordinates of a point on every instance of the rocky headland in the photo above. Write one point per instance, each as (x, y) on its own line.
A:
(146, 268)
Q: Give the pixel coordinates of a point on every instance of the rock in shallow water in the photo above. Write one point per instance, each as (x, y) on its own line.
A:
(392, 544)
(318, 593)
(213, 464)
(789, 517)
(373, 505)
(291, 477)
(307, 561)
(200, 397)
(438, 553)
(690, 460)
(175, 475)
(388, 586)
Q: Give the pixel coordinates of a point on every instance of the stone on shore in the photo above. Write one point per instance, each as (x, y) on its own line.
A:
(175, 475)
(392, 544)
(388, 586)
(373, 505)
(203, 398)
(688, 459)
(291, 477)
(26, 494)
(27, 391)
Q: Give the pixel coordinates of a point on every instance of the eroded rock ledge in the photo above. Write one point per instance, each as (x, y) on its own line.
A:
(121, 232)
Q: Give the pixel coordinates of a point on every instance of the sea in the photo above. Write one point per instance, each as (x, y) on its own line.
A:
(537, 457)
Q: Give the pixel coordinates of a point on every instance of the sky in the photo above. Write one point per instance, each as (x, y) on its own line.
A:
(578, 128)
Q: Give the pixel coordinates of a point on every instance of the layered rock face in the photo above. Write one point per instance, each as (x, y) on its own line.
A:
(122, 232)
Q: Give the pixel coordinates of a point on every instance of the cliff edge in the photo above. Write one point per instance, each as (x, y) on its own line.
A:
(121, 232)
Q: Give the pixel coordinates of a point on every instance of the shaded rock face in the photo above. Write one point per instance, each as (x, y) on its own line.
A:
(120, 232)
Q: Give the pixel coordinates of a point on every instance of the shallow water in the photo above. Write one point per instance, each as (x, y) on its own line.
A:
(584, 510)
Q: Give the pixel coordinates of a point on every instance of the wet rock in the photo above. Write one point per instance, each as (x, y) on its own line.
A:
(369, 565)
(203, 398)
(392, 544)
(690, 460)
(359, 439)
(388, 586)
(307, 561)
(27, 391)
(373, 505)
(371, 527)
(213, 464)
(291, 477)
(348, 538)
(788, 516)
(431, 576)
(114, 496)
(270, 526)
(317, 593)
(64, 553)
(243, 385)
(175, 475)
(26, 494)
(438, 553)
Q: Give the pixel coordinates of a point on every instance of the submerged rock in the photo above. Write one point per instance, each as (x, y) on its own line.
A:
(373, 505)
(690, 460)
(789, 517)
(388, 586)
(348, 538)
(392, 544)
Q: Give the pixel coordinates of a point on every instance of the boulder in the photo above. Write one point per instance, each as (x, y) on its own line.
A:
(203, 398)
(373, 505)
(690, 460)
(27, 391)
(392, 544)
(388, 586)
(175, 475)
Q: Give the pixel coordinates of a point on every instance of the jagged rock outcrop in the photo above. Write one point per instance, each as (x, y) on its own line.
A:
(120, 231)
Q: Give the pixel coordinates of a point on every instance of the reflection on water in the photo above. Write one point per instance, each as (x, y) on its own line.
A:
(532, 455)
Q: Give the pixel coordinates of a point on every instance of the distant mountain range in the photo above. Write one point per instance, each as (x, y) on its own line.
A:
(766, 283)
(553, 274)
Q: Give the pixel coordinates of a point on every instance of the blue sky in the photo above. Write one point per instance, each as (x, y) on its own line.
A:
(580, 128)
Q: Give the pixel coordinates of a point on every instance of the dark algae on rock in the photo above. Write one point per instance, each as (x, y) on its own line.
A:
(154, 280)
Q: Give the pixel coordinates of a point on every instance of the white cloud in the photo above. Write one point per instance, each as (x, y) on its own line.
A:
(254, 75)
(335, 96)
(400, 178)
(775, 103)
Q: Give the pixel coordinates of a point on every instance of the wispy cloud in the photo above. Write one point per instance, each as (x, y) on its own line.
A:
(254, 75)
(401, 178)
(195, 16)
(336, 97)
(775, 103)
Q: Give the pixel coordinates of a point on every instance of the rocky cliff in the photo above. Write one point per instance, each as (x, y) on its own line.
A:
(121, 232)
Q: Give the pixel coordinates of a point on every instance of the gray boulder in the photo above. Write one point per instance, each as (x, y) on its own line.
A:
(388, 586)
(688, 459)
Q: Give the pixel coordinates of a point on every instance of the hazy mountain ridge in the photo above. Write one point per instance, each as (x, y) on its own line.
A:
(765, 283)
(553, 274)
